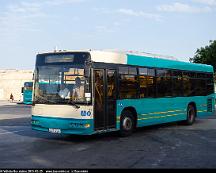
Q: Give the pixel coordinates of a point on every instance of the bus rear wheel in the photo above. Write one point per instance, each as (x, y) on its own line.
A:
(191, 115)
(127, 124)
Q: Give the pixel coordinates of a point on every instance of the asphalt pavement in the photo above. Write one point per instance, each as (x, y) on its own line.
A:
(162, 146)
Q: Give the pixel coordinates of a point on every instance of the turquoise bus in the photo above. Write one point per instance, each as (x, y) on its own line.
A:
(27, 93)
(90, 92)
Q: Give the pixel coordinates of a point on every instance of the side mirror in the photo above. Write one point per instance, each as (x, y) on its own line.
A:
(22, 90)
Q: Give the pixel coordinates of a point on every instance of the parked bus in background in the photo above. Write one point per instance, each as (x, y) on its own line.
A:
(89, 92)
(27, 92)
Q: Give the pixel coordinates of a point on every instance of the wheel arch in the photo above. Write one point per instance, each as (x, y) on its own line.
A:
(194, 105)
(133, 111)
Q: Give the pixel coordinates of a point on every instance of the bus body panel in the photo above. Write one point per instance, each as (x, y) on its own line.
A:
(64, 117)
(66, 125)
(27, 93)
(27, 97)
(64, 111)
(162, 110)
(108, 57)
(164, 63)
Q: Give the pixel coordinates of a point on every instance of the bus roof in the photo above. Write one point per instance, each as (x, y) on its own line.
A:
(147, 60)
(141, 59)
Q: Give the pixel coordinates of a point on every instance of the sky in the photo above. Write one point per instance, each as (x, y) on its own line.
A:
(168, 27)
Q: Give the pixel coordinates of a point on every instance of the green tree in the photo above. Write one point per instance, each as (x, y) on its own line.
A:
(206, 55)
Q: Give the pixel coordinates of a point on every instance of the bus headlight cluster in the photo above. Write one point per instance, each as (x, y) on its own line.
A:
(79, 125)
(87, 125)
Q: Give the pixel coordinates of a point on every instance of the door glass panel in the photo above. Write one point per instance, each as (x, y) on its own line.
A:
(99, 99)
(105, 99)
(111, 96)
(111, 84)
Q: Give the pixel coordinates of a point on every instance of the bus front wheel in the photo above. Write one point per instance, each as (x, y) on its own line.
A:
(127, 123)
(191, 115)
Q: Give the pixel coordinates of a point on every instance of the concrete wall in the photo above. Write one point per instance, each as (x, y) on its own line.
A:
(11, 81)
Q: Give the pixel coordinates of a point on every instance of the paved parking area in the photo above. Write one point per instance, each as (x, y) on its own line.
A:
(163, 146)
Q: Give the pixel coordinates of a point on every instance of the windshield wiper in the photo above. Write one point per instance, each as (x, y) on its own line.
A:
(44, 100)
(73, 104)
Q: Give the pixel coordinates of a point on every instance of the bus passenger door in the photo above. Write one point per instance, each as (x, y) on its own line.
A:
(104, 99)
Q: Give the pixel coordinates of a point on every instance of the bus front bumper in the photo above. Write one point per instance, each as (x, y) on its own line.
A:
(63, 125)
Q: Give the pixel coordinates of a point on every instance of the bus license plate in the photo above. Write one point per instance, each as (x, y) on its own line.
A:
(55, 130)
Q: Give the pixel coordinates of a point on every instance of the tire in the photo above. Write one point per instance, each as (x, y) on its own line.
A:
(127, 124)
(191, 115)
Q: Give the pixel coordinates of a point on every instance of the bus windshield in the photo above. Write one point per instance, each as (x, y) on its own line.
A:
(59, 84)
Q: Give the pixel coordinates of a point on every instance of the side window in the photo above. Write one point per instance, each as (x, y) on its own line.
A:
(128, 70)
(151, 72)
(151, 83)
(177, 83)
(123, 70)
(111, 87)
(128, 86)
(143, 82)
(194, 86)
(128, 83)
(164, 83)
(143, 71)
(132, 71)
(201, 87)
(197, 84)
(200, 84)
(186, 84)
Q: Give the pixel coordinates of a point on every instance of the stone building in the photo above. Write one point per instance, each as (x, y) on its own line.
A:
(12, 81)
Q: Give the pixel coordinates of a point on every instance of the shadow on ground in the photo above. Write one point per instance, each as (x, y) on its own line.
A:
(22, 127)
